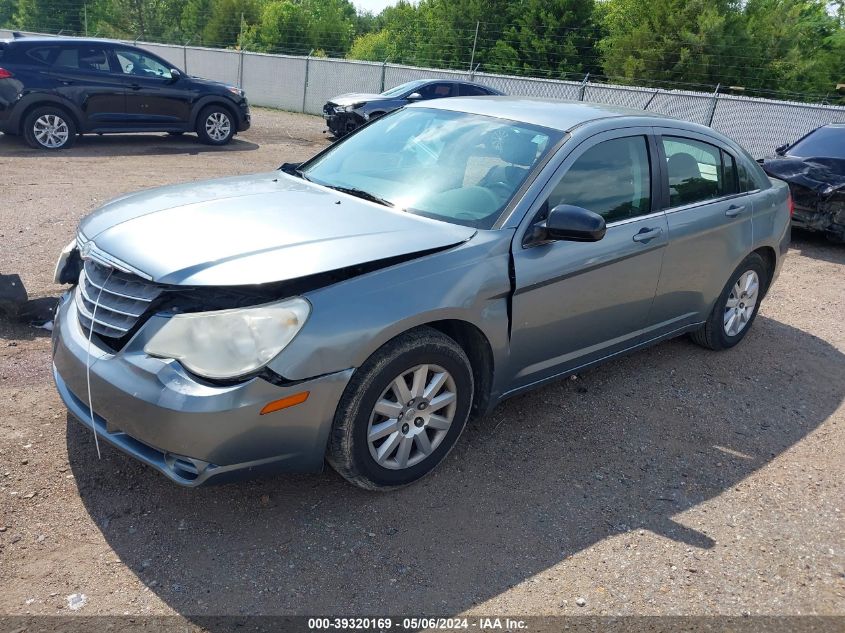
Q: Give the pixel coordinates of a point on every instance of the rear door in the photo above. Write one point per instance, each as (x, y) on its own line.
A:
(578, 302)
(153, 97)
(85, 76)
(709, 220)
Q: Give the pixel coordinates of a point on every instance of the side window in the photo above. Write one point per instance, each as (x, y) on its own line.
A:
(86, 58)
(695, 170)
(729, 175)
(140, 65)
(612, 179)
(43, 55)
(436, 90)
(468, 90)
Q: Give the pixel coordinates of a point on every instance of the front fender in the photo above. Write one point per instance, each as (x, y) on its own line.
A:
(205, 100)
(352, 319)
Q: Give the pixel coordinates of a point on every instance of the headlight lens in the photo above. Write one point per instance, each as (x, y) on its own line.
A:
(230, 343)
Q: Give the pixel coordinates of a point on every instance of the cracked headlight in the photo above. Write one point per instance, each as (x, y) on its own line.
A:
(230, 343)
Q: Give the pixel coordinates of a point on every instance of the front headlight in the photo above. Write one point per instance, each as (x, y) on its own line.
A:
(230, 343)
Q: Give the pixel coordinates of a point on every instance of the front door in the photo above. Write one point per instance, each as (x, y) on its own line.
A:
(578, 302)
(153, 97)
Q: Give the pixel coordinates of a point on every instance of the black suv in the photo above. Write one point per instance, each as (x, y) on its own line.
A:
(52, 89)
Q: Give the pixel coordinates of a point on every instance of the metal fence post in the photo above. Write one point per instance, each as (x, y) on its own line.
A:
(241, 70)
(473, 71)
(713, 105)
(305, 83)
(650, 99)
(185, 56)
(583, 88)
(383, 70)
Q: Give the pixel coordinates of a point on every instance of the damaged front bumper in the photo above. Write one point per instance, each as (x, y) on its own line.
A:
(818, 192)
(342, 123)
(815, 214)
(190, 430)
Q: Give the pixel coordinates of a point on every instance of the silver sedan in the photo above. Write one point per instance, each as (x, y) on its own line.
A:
(358, 308)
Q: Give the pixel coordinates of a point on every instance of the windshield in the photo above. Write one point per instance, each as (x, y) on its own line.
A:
(401, 88)
(826, 142)
(452, 166)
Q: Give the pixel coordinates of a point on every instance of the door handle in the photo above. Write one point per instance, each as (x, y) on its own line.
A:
(734, 210)
(135, 86)
(67, 82)
(646, 235)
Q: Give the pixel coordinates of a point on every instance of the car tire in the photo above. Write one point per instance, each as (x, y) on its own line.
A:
(49, 128)
(732, 317)
(215, 125)
(367, 445)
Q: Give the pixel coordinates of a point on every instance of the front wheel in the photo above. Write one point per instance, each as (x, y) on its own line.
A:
(736, 307)
(402, 412)
(215, 125)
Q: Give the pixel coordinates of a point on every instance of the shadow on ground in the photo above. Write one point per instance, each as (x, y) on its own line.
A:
(627, 446)
(817, 246)
(123, 145)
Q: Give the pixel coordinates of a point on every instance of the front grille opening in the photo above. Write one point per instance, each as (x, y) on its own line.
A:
(123, 300)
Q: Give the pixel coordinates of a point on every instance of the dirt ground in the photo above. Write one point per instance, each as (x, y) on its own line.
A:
(674, 481)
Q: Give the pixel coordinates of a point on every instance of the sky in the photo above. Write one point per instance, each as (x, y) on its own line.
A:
(374, 6)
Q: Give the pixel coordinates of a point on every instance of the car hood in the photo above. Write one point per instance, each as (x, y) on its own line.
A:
(256, 229)
(211, 83)
(357, 97)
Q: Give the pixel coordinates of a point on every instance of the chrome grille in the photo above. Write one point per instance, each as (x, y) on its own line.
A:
(123, 297)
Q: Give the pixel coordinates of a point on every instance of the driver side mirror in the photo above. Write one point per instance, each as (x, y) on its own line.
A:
(175, 74)
(574, 224)
(414, 96)
(780, 151)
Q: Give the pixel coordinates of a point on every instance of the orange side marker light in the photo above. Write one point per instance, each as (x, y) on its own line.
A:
(284, 403)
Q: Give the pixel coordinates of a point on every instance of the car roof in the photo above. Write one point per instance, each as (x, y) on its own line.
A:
(550, 113)
(44, 39)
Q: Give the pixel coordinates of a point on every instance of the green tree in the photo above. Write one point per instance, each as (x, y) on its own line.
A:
(50, 16)
(229, 18)
(7, 12)
(673, 41)
(194, 19)
(796, 46)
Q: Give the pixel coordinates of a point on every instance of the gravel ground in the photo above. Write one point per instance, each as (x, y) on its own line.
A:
(673, 481)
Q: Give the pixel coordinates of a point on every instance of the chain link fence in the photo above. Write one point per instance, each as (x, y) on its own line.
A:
(304, 84)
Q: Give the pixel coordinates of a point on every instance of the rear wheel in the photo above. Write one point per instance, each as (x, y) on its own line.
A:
(737, 306)
(402, 412)
(215, 125)
(49, 128)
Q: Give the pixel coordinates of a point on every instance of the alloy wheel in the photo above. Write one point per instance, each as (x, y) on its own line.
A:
(741, 302)
(51, 131)
(218, 126)
(412, 417)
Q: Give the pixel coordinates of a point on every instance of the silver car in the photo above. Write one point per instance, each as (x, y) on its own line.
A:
(359, 307)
